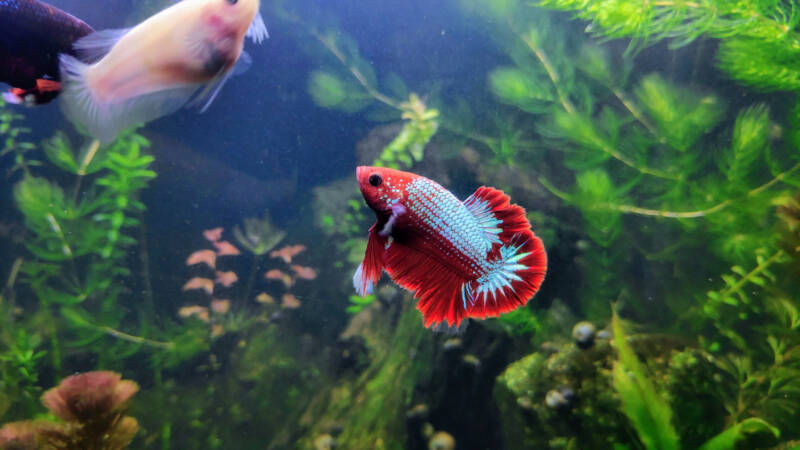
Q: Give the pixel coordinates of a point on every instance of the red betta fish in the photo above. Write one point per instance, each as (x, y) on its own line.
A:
(32, 35)
(478, 258)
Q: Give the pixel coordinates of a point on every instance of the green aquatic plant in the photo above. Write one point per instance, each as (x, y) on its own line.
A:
(647, 410)
(79, 242)
(11, 140)
(651, 414)
(358, 303)
(521, 321)
(375, 416)
(651, 142)
(759, 43)
(665, 173)
(20, 362)
(419, 127)
(259, 235)
(329, 91)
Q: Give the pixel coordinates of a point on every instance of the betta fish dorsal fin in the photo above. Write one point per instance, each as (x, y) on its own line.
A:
(93, 47)
(258, 29)
(437, 287)
(369, 271)
(498, 217)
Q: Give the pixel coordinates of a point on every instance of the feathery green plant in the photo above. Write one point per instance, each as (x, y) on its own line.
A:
(669, 174)
(11, 143)
(759, 41)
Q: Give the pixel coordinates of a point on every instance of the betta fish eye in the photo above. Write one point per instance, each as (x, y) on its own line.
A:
(375, 180)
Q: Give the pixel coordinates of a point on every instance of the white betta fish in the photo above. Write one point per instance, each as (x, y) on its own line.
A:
(184, 53)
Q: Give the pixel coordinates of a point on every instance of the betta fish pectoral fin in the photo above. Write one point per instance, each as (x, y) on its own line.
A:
(369, 271)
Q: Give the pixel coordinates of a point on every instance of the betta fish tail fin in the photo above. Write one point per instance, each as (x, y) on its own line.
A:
(436, 286)
(517, 259)
(369, 271)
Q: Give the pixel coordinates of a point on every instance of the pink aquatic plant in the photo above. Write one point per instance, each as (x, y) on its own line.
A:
(201, 312)
(87, 396)
(225, 248)
(209, 257)
(289, 301)
(200, 283)
(287, 253)
(304, 273)
(214, 234)
(226, 279)
(220, 306)
(92, 407)
(280, 275)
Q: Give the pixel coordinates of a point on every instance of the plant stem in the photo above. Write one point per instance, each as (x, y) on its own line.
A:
(144, 260)
(551, 72)
(55, 346)
(628, 209)
(8, 290)
(135, 339)
(636, 113)
(88, 156)
(252, 278)
(331, 46)
(756, 270)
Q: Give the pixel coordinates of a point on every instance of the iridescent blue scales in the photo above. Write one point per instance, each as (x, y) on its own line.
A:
(474, 259)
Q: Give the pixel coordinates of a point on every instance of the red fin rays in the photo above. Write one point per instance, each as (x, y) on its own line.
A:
(369, 271)
(436, 286)
(512, 217)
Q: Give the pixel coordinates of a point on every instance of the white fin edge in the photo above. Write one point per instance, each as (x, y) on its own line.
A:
(93, 47)
(363, 287)
(258, 29)
(11, 99)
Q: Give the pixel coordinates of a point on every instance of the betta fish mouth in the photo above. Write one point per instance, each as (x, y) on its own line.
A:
(362, 172)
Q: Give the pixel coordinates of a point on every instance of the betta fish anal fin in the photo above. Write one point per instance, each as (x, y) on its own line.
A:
(437, 287)
(517, 261)
(369, 271)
